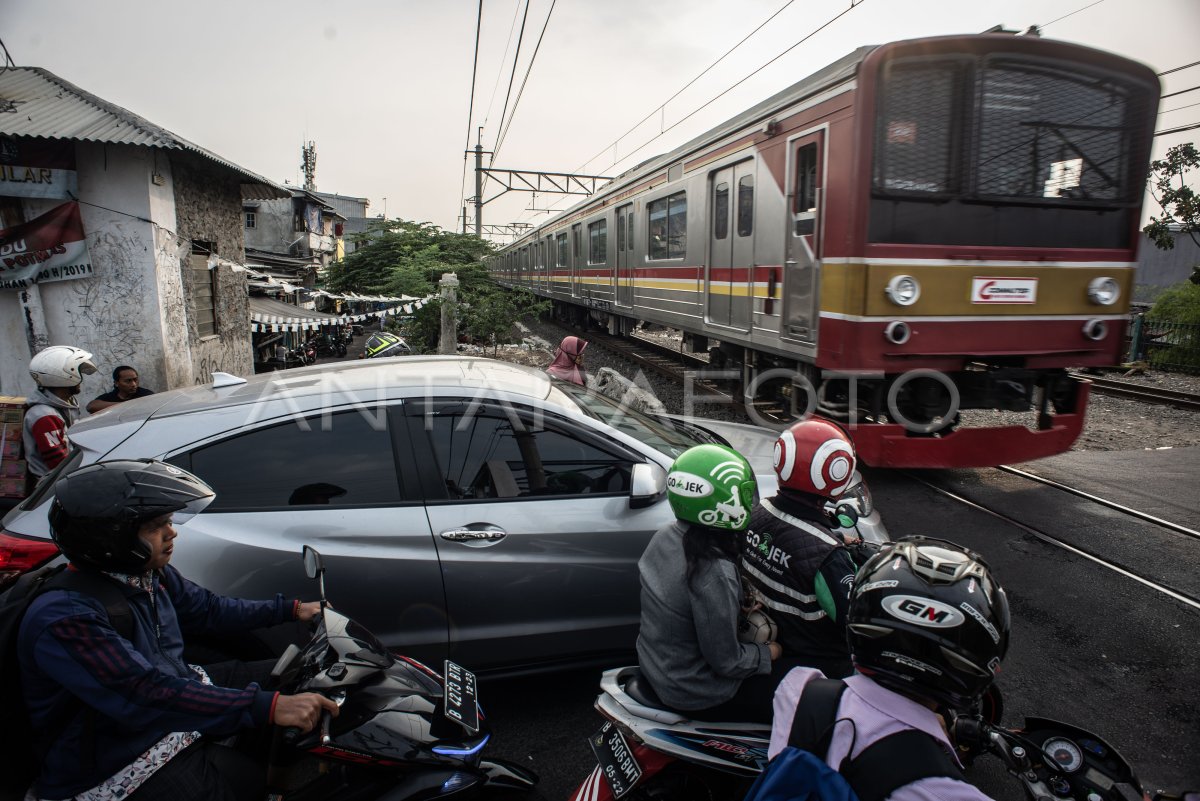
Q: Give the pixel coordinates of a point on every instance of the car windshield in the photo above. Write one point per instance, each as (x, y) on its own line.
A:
(662, 435)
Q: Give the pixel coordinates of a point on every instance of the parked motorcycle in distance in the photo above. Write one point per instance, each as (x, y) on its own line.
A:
(403, 730)
(644, 752)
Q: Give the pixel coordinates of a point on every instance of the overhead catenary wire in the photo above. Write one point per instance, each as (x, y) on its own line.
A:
(1180, 92)
(503, 61)
(684, 88)
(1180, 129)
(521, 91)
(1178, 69)
(853, 5)
(462, 186)
(1073, 13)
(513, 75)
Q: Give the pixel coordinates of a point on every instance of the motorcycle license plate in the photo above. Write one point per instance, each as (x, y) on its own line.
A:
(617, 762)
(462, 705)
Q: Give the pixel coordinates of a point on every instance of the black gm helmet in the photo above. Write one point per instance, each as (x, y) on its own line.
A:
(928, 620)
(98, 510)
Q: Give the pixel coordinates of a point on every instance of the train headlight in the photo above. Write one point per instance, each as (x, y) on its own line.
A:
(1104, 291)
(903, 290)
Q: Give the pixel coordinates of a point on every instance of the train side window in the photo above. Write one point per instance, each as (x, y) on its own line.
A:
(575, 237)
(806, 179)
(721, 211)
(598, 242)
(620, 232)
(562, 250)
(745, 205)
(668, 226)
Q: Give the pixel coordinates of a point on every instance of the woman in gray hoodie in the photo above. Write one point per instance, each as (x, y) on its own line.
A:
(688, 647)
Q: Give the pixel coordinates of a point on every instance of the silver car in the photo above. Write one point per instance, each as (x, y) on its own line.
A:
(464, 507)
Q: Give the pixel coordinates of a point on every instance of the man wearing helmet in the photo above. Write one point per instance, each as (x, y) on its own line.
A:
(797, 565)
(58, 371)
(928, 627)
(688, 647)
(122, 715)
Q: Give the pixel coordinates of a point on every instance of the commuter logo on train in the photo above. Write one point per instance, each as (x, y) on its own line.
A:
(923, 612)
(1004, 290)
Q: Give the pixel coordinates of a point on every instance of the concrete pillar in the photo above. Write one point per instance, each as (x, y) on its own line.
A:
(448, 339)
(36, 333)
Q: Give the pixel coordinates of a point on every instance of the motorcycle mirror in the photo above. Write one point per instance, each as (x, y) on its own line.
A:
(846, 515)
(314, 569)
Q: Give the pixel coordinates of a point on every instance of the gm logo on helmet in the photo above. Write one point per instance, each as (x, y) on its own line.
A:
(689, 485)
(923, 612)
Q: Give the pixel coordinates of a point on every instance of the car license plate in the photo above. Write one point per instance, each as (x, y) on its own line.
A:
(461, 702)
(617, 762)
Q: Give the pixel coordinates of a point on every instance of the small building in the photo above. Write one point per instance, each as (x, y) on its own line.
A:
(119, 237)
(302, 226)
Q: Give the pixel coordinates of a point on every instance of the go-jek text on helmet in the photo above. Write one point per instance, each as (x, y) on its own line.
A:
(61, 366)
(928, 620)
(98, 510)
(815, 456)
(712, 485)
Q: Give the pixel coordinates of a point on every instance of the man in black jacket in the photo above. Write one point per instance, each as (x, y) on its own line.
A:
(797, 564)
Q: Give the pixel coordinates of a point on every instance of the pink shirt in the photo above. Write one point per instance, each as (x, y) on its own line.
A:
(877, 713)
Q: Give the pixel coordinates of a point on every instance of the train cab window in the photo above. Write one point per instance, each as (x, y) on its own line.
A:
(918, 128)
(598, 242)
(562, 250)
(745, 205)
(721, 211)
(668, 226)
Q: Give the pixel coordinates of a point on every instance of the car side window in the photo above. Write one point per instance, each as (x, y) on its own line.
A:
(336, 460)
(488, 453)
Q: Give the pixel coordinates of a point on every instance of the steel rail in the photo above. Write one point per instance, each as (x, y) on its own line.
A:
(1056, 542)
(1149, 518)
(1140, 392)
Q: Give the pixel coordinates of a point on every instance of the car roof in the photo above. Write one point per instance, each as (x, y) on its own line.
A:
(363, 380)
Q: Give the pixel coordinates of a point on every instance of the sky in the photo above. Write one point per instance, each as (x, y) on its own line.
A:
(384, 88)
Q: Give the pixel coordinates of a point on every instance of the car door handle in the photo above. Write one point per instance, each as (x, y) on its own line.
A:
(473, 535)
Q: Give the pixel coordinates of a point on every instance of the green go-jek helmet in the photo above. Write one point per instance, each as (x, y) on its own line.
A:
(712, 485)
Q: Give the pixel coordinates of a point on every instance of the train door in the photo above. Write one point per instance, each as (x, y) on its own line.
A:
(731, 245)
(625, 255)
(576, 262)
(802, 265)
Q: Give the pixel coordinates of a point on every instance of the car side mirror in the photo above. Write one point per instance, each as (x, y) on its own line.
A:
(648, 483)
(846, 515)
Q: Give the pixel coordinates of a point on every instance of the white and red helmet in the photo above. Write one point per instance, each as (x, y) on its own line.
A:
(815, 456)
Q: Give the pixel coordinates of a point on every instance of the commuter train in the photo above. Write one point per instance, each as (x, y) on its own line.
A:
(918, 229)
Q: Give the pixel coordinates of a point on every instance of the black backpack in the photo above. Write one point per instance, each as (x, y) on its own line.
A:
(19, 752)
(799, 771)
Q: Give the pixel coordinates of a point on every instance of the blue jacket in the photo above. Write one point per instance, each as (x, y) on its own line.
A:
(140, 688)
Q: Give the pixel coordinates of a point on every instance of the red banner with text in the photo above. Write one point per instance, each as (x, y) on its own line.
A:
(51, 247)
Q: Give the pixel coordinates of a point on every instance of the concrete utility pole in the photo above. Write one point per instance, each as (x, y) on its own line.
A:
(448, 339)
(479, 183)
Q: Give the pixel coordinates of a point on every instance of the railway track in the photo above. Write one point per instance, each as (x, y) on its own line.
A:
(1141, 392)
(1056, 542)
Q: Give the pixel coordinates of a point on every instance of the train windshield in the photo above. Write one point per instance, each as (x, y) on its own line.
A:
(1007, 151)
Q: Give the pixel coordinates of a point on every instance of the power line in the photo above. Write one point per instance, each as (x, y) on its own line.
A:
(8, 60)
(521, 91)
(516, 58)
(1076, 11)
(1180, 92)
(1177, 69)
(1180, 129)
(1179, 108)
(470, 108)
(503, 61)
(705, 71)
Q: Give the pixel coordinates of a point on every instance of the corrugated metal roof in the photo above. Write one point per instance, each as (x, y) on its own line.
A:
(37, 103)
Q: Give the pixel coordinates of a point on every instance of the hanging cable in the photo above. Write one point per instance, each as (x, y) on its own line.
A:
(462, 184)
(503, 61)
(1177, 69)
(529, 69)
(704, 72)
(1180, 92)
(8, 60)
(512, 77)
(1076, 11)
(1180, 129)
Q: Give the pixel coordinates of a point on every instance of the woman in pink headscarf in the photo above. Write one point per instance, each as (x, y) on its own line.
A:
(568, 362)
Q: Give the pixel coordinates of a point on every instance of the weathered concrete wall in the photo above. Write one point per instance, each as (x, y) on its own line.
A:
(113, 312)
(208, 208)
(274, 225)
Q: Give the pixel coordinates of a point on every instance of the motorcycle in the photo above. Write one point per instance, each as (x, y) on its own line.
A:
(403, 731)
(328, 346)
(645, 752)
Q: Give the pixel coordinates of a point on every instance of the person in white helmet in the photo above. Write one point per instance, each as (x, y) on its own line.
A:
(58, 371)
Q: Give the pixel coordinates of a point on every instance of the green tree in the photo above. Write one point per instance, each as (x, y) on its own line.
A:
(1180, 204)
(405, 257)
(1172, 329)
(492, 313)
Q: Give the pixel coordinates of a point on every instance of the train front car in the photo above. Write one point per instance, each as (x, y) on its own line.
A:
(980, 239)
